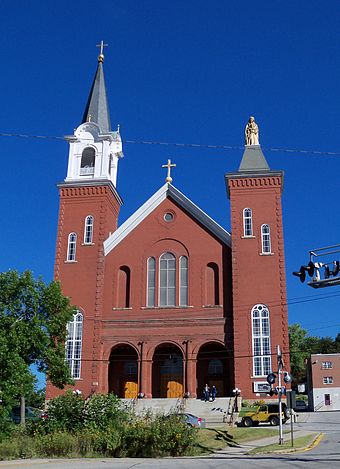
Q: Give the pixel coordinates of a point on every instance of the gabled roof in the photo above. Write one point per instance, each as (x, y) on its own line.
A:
(165, 191)
(97, 109)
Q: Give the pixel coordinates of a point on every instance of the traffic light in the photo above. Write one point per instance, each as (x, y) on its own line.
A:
(271, 378)
(287, 378)
(310, 268)
(336, 268)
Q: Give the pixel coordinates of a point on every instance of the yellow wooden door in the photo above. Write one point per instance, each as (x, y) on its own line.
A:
(175, 388)
(171, 386)
(130, 389)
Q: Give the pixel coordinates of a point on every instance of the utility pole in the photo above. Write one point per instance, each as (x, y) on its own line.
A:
(279, 371)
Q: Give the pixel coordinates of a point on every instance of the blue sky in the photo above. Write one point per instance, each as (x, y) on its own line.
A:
(182, 71)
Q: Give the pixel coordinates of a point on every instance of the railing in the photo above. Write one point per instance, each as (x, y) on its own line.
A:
(87, 170)
(318, 407)
(180, 405)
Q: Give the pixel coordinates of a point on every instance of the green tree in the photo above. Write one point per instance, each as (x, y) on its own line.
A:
(33, 319)
(299, 352)
(302, 346)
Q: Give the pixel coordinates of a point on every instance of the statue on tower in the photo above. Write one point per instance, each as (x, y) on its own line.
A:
(251, 132)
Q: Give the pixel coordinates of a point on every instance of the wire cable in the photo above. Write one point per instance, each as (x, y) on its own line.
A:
(185, 145)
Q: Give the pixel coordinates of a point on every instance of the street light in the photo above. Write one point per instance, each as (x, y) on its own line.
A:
(237, 393)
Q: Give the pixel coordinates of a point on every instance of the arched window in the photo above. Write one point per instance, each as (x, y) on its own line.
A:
(87, 161)
(74, 344)
(124, 287)
(151, 282)
(130, 368)
(261, 340)
(212, 285)
(215, 367)
(71, 247)
(183, 281)
(88, 230)
(265, 237)
(247, 222)
(167, 280)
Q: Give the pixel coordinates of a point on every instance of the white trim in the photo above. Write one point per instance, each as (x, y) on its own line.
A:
(251, 222)
(151, 204)
(74, 246)
(256, 385)
(260, 336)
(268, 238)
(91, 225)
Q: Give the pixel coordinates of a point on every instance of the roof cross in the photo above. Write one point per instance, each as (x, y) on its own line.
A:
(101, 54)
(169, 166)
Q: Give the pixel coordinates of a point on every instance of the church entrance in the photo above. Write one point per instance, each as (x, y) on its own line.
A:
(167, 372)
(213, 369)
(123, 372)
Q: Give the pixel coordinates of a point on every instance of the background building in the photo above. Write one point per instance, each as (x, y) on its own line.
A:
(169, 300)
(323, 378)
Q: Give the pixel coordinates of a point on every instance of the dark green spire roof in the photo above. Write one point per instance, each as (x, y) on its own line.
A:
(97, 109)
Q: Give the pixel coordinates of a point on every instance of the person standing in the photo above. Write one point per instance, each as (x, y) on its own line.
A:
(213, 392)
(206, 393)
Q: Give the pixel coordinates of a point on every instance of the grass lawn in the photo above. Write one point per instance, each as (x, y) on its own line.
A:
(300, 442)
(212, 439)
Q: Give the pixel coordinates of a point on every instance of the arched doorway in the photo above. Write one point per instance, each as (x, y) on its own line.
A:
(167, 372)
(213, 369)
(123, 372)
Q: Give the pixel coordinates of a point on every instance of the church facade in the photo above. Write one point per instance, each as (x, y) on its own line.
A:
(168, 301)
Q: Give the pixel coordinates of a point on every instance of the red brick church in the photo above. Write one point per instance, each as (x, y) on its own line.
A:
(169, 300)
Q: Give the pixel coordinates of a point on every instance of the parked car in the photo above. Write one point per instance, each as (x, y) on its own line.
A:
(190, 419)
(300, 404)
(31, 413)
(269, 413)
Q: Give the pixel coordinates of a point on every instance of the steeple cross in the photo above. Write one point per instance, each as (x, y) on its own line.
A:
(169, 166)
(101, 54)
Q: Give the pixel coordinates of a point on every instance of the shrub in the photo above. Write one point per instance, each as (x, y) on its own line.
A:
(56, 444)
(175, 437)
(160, 437)
(65, 413)
(102, 410)
(17, 447)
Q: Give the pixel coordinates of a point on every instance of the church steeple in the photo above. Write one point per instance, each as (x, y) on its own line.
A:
(94, 148)
(97, 109)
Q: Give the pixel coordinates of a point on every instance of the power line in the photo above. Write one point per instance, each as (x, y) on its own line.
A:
(185, 145)
(222, 354)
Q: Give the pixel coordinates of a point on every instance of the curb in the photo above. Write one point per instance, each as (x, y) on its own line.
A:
(314, 443)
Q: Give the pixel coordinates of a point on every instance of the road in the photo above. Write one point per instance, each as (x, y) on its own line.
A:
(326, 454)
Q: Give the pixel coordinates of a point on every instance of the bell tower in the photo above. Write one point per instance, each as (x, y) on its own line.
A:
(88, 213)
(258, 267)
(94, 148)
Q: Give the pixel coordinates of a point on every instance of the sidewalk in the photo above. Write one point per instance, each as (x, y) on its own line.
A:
(249, 445)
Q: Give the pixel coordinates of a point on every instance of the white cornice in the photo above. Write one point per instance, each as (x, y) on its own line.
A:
(165, 191)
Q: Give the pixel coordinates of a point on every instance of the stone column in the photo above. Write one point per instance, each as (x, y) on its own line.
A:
(191, 379)
(144, 372)
(146, 384)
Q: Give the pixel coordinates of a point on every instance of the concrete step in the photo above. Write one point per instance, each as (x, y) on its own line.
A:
(215, 411)
(212, 412)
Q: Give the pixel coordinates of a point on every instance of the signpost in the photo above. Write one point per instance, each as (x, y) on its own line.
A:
(291, 405)
(279, 390)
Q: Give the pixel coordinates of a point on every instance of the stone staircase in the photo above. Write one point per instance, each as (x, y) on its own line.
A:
(215, 413)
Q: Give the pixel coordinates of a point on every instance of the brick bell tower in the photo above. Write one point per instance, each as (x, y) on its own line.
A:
(258, 268)
(89, 208)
